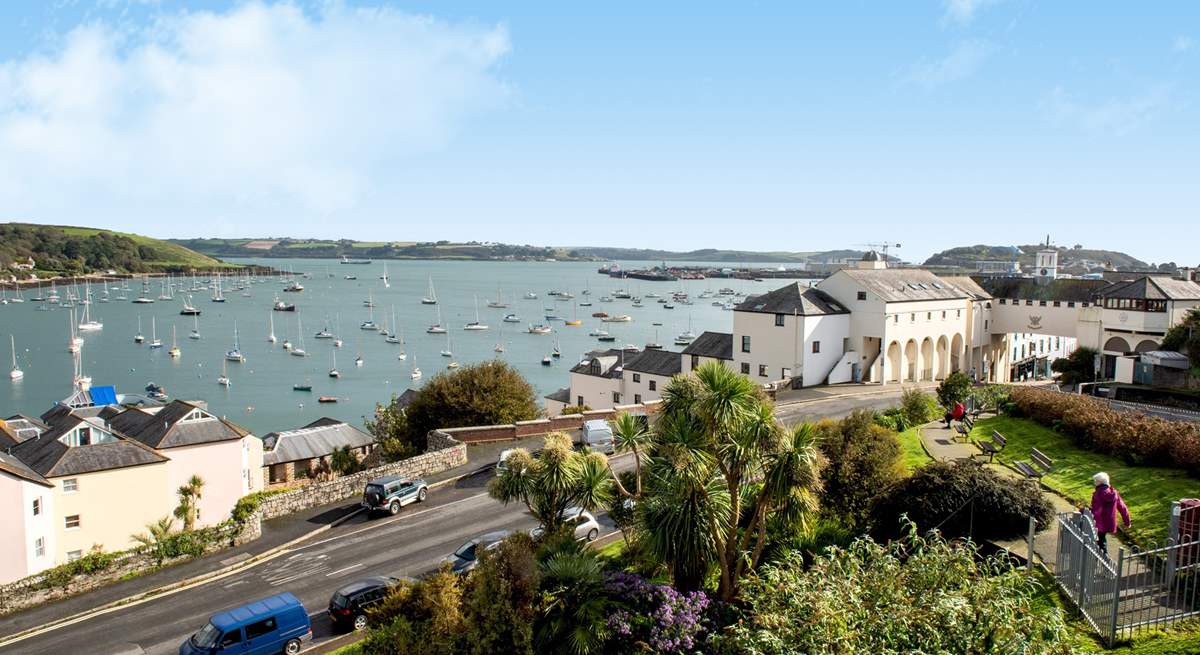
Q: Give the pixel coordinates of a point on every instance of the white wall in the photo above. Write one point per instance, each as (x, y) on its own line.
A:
(596, 391)
(831, 332)
(223, 467)
(641, 387)
(20, 528)
(779, 348)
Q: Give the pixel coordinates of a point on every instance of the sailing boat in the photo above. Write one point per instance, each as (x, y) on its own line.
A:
(333, 372)
(299, 351)
(174, 351)
(88, 325)
(218, 293)
(138, 338)
(499, 347)
(271, 334)
(16, 373)
(235, 355)
(384, 277)
(686, 337)
(337, 341)
(403, 355)
(498, 303)
(430, 299)
(154, 342)
(447, 352)
(392, 338)
(18, 298)
(475, 325)
(195, 328)
(75, 342)
(324, 333)
(188, 308)
(437, 328)
(416, 372)
(369, 324)
(575, 320)
(224, 379)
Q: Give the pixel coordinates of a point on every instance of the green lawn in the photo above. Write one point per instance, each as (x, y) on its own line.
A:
(1148, 491)
(913, 454)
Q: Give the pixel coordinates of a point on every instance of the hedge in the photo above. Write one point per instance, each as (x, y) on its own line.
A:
(1136, 438)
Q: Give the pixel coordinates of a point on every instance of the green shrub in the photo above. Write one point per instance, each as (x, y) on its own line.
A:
(892, 419)
(1079, 366)
(576, 409)
(954, 389)
(1093, 425)
(910, 596)
(961, 498)
(991, 396)
(96, 561)
(863, 461)
(918, 408)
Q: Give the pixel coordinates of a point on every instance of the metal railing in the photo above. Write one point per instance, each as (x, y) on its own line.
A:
(1143, 589)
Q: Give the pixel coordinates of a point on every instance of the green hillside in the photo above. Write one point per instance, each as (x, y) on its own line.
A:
(70, 250)
(1076, 257)
(332, 249)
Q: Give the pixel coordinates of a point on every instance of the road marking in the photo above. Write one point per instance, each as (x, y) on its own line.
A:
(348, 568)
(390, 521)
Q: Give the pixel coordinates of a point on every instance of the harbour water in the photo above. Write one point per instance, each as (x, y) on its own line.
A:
(260, 396)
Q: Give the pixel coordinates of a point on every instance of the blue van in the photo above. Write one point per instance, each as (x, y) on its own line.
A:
(270, 626)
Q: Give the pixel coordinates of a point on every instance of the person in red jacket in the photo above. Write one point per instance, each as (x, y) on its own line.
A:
(1106, 503)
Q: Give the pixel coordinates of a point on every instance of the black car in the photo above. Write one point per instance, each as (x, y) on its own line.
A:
(348, 606)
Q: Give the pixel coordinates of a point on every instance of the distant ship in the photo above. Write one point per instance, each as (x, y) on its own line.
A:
(347, 260)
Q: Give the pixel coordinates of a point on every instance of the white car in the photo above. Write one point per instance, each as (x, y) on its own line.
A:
(587, 528)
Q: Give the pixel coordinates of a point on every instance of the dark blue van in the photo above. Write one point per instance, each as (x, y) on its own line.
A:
(270, 626)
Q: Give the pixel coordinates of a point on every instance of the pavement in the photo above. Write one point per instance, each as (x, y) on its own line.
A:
(342, 546)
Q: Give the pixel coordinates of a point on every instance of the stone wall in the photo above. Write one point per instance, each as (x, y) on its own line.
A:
(522, 429)
(445, 453)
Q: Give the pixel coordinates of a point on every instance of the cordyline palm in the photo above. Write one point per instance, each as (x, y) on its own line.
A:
(557, 479)
(631, 436)
(722, 466)
(155, 537)
(189, 502)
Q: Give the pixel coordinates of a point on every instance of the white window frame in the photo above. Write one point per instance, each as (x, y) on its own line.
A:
(67, 522)
(72, 483)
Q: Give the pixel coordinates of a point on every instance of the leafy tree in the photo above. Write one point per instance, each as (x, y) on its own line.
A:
(389, 426)
(917, 406)
(557, 479)
(721, 467)
(502, 599)
(954, 389)
(343, 461)
(915, 594)
(961, 499)
(1185, 337)
(487, 393)
(863, 462)
(156, 539)
(189, 502)
(1079, 366)
(424, 617)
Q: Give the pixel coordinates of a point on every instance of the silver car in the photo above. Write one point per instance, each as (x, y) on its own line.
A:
(587, 528)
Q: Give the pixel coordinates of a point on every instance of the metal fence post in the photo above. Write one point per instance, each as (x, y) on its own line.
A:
(1172, 539)
(1116, 596)
(1029, 543)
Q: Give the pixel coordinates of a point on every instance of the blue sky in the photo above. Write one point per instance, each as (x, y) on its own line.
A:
(765, 126)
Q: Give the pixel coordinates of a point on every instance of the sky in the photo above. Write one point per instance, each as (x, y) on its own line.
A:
(757, 126)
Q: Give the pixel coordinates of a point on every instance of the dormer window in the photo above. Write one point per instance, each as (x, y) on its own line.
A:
(196, 415)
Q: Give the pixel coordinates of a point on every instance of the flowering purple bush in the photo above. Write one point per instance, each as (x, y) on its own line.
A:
(656, 616)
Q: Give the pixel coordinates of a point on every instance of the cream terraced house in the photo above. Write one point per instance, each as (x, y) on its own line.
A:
(96, 475)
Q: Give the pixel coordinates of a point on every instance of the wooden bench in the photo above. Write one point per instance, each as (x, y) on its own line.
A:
(964, 428)
(993, 446)
(1037, 466)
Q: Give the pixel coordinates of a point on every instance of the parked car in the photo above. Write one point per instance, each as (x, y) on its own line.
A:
(466, 558)
(389, 494)
(597, 435)
(348, 606)
(501, 465)
(587, 528)
(270, 626)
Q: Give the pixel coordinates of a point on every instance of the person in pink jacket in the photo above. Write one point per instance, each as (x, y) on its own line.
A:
(1106, 503)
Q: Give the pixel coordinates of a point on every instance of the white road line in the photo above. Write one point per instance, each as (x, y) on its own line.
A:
(348, 568)
(379, 524)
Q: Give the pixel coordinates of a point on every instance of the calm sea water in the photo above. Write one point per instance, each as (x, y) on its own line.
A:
(261, 396)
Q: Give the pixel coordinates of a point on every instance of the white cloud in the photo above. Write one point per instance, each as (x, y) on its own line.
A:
(963, 11)
(1183, 44)
(1117, 116)
(263, 109)
(961, 63)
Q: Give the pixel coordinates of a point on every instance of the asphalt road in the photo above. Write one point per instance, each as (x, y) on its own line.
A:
(410, 544)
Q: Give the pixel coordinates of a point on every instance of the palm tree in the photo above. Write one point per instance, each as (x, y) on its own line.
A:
(155, 538)
(557, 479)
(721, 467)
(630, 435)
(188, 509)
(574, 611)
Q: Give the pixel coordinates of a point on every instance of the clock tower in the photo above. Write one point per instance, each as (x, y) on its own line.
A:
(1046, 264)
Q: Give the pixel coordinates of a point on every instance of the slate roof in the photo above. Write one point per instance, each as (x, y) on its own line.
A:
(14, 466)
(655, 362)
(166, 429)
(405, 399)
(562, 395)
(1153, 288)
(610, 361)
(712, 344)
(795, 298)
(1024, 288)
(903, 284)
(317, 439)
(50, 457)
